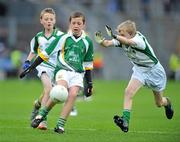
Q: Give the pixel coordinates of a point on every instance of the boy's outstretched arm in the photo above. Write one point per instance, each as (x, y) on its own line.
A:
(101, 40)
(120, 38)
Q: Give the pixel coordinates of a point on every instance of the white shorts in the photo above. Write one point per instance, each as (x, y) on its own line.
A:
(72, 78)
(49, 71)
(155, 78)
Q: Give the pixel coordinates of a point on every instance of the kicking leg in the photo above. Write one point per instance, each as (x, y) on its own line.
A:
(73, 91)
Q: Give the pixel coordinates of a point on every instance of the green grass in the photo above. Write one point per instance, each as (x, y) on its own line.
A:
(94, 121)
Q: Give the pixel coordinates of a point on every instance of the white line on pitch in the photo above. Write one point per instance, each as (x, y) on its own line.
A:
(76, 129)
(91, 129)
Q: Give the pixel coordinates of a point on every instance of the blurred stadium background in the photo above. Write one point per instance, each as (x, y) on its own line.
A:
(158, 20)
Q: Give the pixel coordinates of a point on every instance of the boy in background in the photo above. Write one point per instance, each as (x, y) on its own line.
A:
(46, 69)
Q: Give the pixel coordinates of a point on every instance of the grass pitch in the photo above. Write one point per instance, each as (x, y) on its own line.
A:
(94, 122)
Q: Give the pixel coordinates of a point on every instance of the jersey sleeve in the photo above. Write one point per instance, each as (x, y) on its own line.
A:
(116, 43)
(34, 45)
(140, 44)
(88, 60)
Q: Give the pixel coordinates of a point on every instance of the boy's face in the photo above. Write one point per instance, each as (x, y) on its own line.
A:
(123, 32)
(48, 20)
(76, 26)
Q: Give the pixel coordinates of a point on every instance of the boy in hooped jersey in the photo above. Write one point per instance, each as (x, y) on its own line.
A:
(147, 69)
(75, 61)
(46, 69)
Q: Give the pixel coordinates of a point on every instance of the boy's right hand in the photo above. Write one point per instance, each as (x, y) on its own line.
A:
(98, 37)
(88, 90)
(26, 64)
(25, 72)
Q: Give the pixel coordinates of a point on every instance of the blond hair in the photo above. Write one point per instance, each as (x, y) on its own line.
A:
(47, 10)
(128, 26)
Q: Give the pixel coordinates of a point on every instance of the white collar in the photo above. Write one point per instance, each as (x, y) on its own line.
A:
(83, 35)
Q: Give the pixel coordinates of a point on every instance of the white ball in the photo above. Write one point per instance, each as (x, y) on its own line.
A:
(58, 94)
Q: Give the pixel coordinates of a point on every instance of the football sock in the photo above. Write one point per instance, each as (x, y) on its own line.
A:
(61, 122)
(43, 112)
(37, 104)
(126, 115)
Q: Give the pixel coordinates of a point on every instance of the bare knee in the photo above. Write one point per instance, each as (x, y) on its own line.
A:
(72, 95)
(159, 103)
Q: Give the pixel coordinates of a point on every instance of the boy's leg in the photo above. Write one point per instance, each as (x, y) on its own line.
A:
(40, 117)
(164, 101)
(43, 112)
(73, 91)
(47, 85)
(123, 122)
(36, 107)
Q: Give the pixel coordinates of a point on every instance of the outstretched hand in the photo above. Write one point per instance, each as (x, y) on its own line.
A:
(99, 37)
(109, 32)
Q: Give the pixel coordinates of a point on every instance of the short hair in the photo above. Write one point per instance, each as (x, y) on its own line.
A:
(47, 10)
(76, 15)
(129, 26)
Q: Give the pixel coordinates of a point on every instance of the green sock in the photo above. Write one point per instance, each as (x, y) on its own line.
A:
(61, 122)
(37, 104)
(43, 112)
(126, 115)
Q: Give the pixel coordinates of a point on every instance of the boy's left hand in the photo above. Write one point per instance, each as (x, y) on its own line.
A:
(109, 32)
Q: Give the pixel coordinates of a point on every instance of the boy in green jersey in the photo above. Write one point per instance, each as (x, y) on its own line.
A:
(147, 69)
(74, 61)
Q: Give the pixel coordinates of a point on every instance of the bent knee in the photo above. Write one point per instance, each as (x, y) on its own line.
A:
(159, 104)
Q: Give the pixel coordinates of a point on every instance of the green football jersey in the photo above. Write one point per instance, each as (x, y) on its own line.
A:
(74, 54)
(40, 42)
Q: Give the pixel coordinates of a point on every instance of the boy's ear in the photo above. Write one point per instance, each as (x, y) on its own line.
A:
(40, 20)
(130, 33)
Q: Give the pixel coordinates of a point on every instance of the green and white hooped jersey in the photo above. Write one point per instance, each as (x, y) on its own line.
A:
(75, 54)
(141, 55)
(40, 42)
